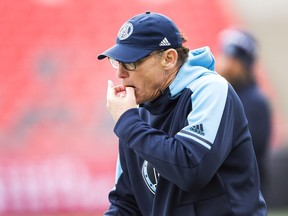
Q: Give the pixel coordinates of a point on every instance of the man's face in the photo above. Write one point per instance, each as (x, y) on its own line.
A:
(147, 79)
(230, 68)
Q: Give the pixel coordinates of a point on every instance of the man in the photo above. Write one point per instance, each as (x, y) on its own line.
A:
(238, 53)
(184, 144)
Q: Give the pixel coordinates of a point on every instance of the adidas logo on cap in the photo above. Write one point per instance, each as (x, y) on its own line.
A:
(164, 42)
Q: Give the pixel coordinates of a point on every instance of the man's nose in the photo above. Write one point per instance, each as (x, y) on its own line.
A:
(122, 72)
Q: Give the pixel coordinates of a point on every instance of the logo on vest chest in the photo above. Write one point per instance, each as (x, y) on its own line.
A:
(150, 176)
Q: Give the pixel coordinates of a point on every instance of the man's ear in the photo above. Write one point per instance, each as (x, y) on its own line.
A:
(169, 59)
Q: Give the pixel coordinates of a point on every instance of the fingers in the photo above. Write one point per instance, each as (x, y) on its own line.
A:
(119, 89)
(110, 84)
(119, 99)
(110, 89)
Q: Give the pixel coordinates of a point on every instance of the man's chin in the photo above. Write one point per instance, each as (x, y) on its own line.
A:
(139, 101)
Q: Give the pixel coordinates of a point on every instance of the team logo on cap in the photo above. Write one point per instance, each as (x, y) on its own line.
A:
(125, 31)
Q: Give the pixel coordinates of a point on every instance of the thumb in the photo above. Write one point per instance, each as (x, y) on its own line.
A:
(130, 91)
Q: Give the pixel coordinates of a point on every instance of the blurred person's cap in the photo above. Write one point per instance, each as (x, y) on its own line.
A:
(141, 35)
(239, 44)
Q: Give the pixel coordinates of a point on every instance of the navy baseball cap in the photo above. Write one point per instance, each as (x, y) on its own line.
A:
(141, 35)
(239, 44)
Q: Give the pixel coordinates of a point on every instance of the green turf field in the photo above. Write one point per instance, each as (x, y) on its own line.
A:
(278, 213)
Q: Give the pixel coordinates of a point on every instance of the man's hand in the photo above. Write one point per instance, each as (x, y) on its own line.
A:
(119, 99)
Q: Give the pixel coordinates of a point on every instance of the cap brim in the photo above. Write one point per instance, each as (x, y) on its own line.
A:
(124, 53)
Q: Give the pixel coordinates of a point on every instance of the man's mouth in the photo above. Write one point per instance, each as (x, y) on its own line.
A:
(130, 86)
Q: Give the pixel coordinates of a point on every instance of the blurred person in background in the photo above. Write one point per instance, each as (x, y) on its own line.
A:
(236, 62)
(184, 143)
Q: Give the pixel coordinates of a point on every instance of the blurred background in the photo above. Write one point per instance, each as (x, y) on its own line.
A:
(57, 147)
